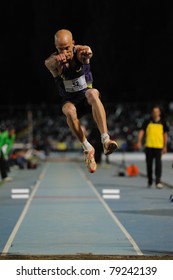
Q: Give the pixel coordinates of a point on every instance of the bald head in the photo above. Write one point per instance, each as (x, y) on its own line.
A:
(64, 43)
(63, 36)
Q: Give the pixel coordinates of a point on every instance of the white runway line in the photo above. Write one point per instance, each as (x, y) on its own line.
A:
(111, 196)
(20, 193)
(129, 237)
(15, 229)
(112, 191)
(19, 196)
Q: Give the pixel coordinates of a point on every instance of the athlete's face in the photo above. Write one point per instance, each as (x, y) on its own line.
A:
(64, 45)
(11, 132)
(156, 113)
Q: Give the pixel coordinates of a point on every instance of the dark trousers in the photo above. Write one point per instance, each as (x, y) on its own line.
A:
(3, 166)
(151, 155)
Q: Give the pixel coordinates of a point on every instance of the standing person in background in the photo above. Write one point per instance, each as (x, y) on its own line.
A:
(7, 138)
(155, 131)
(70, 67)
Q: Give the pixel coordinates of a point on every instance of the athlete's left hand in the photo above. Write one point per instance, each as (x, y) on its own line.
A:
(84, 53)
(164, 151)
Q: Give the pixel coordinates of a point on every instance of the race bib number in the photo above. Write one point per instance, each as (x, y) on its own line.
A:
(75, 84)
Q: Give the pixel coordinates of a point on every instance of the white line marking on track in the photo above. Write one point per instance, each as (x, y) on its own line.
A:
(19, 196)
(116, 220)
(111, 191)
(20, 191)
(15, 229)
(111, 196)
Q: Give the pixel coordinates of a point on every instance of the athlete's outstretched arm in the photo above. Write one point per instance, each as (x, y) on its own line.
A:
(84, 53)
(54, 63)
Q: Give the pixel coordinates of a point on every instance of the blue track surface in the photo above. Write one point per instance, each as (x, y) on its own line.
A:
(66, 212)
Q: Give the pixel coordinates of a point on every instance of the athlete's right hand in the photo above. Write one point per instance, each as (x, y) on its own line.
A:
(54, 63)
(138, 145)
(61, 59)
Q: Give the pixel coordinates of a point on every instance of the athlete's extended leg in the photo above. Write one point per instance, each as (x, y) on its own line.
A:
(99, 116)
(73, 122)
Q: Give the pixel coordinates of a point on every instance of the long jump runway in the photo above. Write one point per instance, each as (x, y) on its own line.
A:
(70, 212)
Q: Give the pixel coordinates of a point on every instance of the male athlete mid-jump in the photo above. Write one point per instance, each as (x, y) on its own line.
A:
(70, 67)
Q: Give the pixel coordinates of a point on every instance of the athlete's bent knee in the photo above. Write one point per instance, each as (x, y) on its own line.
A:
(92, 95)
(69, 110)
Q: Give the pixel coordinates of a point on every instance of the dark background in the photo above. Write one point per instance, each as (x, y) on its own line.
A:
(131, 42)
